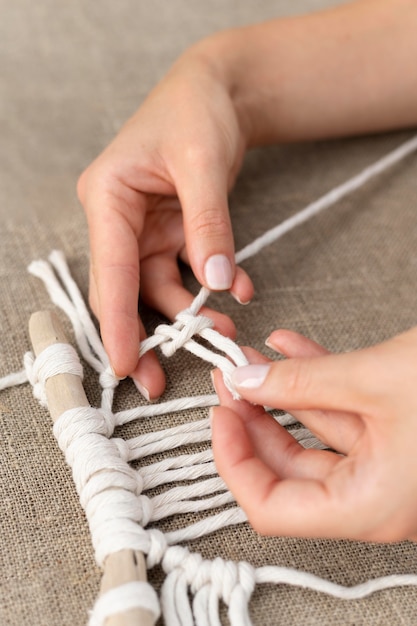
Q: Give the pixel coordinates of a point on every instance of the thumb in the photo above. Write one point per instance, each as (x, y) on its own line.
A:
(330, 382)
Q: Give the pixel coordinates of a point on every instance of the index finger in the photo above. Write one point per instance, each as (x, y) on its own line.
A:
(115, 267)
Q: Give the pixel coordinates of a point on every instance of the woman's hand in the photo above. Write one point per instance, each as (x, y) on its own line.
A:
(180, 151)
(283, 80)
(363, 405)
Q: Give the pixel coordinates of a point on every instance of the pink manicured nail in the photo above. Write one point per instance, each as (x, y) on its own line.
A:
(143, 390)
(218, 272)
(269, 344)
(250, 376)
(212, 380)
(244, 302)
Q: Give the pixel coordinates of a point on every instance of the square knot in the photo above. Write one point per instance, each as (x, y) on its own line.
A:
(175, 336)
(108, 380)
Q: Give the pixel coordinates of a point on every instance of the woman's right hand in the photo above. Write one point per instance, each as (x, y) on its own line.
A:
(158, 193)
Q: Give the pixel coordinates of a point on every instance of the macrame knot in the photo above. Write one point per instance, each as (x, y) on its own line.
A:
(176, 335)
(146, 510)
(157, 547)
(58, 358)
(108, 380)
(175, 557)
(132, 595)
(38, 389)
(74, 424)
(123, 448)
(209, 582)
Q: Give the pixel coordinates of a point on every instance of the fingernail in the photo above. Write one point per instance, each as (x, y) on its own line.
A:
(250, 376)
(213, 380)
(239, 301)
(269, 344)
(218, 272)
(143, 390)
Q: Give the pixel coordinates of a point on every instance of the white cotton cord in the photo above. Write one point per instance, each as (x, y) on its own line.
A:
(182, 599)
(133, 595)
(186, 473)
(199, 301)
(306, 439)
(164, 408)
(58, 358)
(169, 443)
(229, 517)
(213, 607)
(181, 567)
(199, 489)
(285, 420)
(13, 379)
(88, 331)
(289, 576)
(239, 608)
(86, 335)
(226, 345)
(209, 582)
(210, 577)
(207, 593)
(217, 360)
(42, 270)
(58, 261)
(201, 607)
(171, 337)
(108, 487)
(38, 389)
(328, 199)
(181, 462)
(241, 578)
(174, 601)
(175, 502)
(180, 335)
(74, 424)
(169, 439)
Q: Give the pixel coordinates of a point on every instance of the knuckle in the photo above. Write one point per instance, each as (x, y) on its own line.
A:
(129, 270)
(299, 378)
(100, 177)
(197, 156)
(210, 222)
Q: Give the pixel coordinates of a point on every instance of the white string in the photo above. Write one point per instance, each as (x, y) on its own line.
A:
(162, 408)
(133, 595)
(68, 298)
(58, 358)
(287, 576)
(329, 199)
(13, 379)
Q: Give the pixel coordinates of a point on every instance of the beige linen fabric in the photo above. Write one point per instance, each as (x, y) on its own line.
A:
(71, 74)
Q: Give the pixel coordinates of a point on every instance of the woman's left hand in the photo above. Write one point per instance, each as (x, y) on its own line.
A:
(362, 405)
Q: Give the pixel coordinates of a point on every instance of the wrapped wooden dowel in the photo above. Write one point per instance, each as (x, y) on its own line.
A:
(64, 392)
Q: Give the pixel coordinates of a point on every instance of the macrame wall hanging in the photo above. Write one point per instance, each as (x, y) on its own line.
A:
(115, 496)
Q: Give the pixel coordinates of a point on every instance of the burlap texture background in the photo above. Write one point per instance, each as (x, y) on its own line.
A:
(71, 73)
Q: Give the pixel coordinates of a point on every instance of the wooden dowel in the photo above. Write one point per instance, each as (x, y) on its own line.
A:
(63, 392)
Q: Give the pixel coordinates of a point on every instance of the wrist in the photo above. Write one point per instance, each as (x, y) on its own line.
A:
(219, 57)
